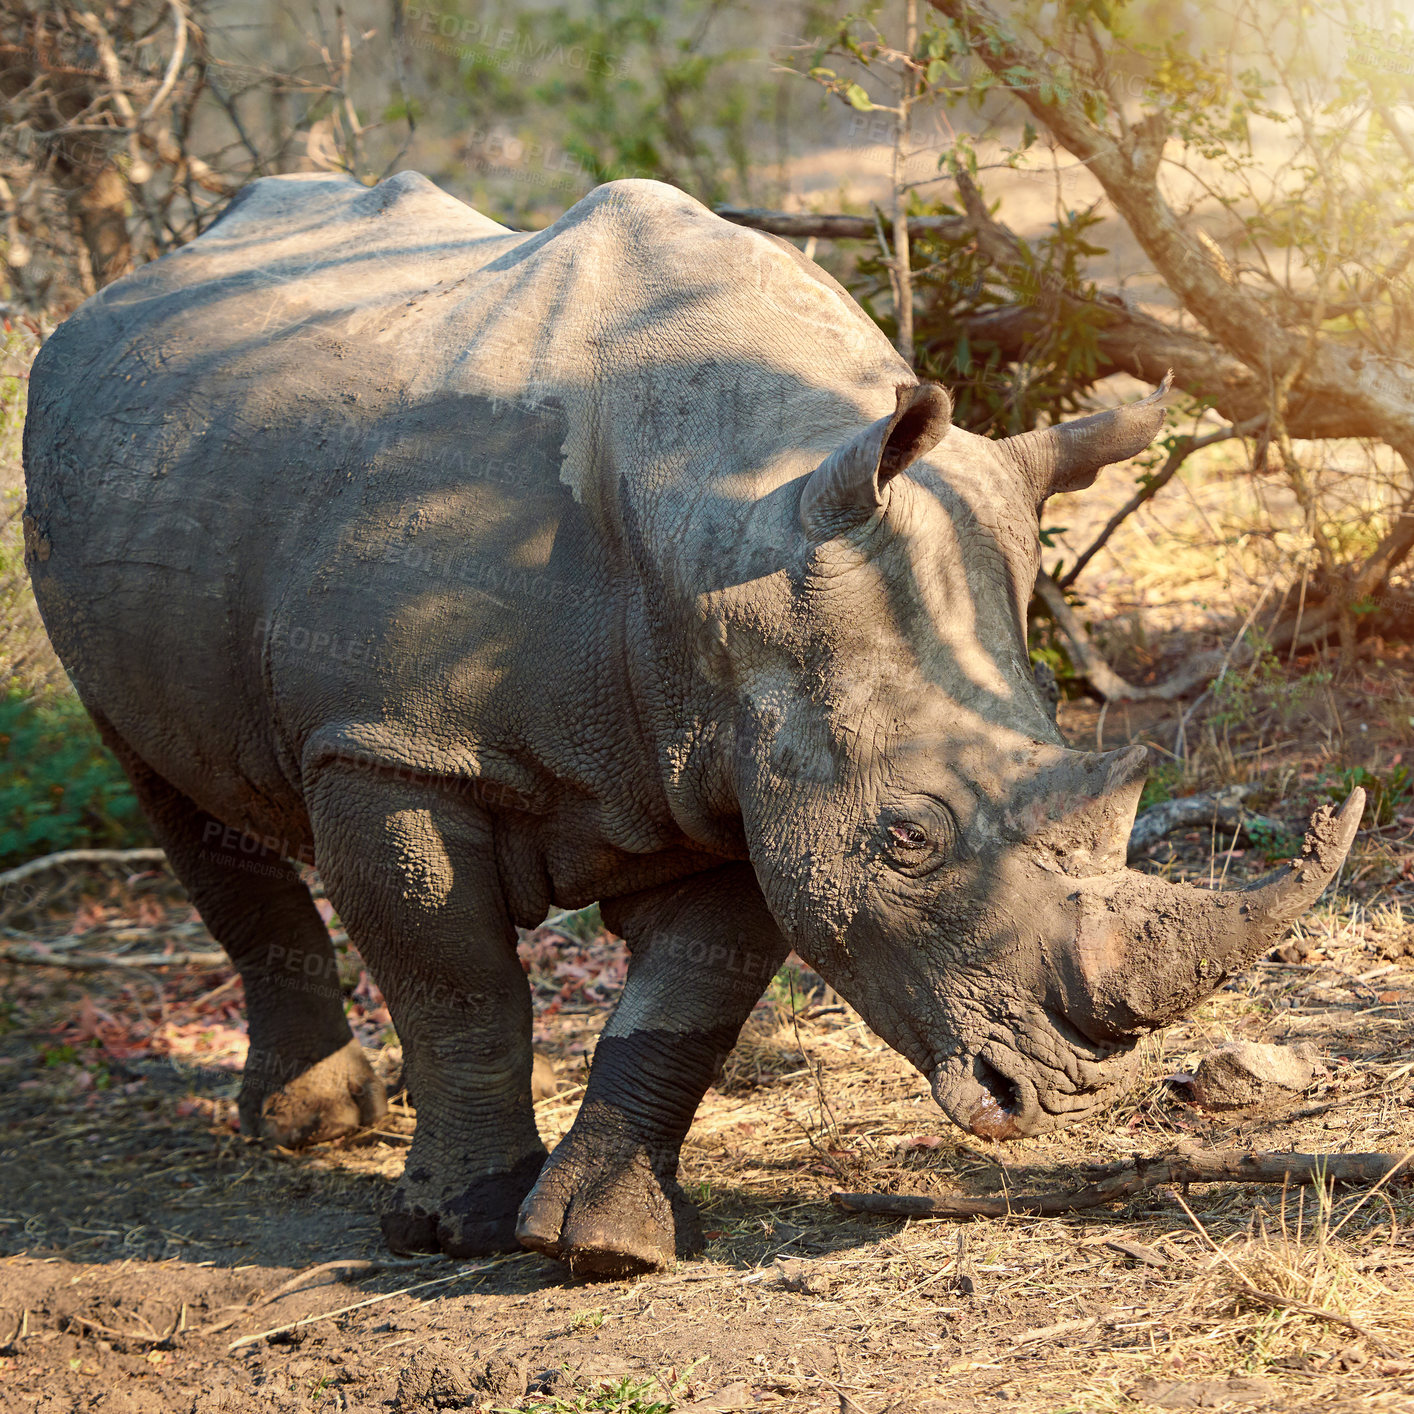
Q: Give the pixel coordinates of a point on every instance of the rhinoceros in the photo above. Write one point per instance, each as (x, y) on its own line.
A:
(622, 561)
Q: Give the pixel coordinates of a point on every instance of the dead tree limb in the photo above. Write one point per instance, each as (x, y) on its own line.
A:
(1127, 340)
(1098, 673)
(832, 226)
(1124, 1180)
(148, 858)
(1217, 807)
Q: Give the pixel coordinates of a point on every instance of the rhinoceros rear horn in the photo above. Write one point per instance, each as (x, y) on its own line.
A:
(846, 488)
(1069, 455)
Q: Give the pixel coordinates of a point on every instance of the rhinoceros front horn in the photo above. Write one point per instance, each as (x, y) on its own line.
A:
(1069, 455)
(1149, 949)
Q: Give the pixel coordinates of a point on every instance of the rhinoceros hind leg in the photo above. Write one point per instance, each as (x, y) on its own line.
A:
(306, 1079)
(333, 1096)
(608, 1202)
(410, 866)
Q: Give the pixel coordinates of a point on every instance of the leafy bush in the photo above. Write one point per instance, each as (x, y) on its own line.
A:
(1166, 780)
(1385, 796)
(1274, 845)
(60, 788)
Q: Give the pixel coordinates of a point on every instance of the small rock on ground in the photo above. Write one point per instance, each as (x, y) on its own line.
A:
(1248, 1072)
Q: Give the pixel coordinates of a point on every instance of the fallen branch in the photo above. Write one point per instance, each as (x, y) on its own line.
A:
(97, 962)
(1220, 807)
(80, 856)
(1098, 672)
(831, 226)
(1124, 1180)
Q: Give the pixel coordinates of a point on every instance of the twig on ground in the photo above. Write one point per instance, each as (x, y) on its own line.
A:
(1124, 1180)
(1059, 1328)
(362, 1266)
(479, 1270)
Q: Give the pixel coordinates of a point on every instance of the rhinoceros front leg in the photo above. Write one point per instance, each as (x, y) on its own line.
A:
(608, 1201)
(306, 1079)
(410, 868)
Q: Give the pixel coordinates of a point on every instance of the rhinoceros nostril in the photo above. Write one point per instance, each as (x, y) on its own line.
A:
(996, 1117)
(1001, 1087)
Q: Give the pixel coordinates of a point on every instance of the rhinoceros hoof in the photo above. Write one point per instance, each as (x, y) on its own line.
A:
(332, 1097)
(474, 1221)
(607, 1212)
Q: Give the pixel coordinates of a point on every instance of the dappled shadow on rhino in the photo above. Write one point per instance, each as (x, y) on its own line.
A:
(624, 561)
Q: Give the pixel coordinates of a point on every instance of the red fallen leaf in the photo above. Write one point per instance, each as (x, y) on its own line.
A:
(88, 916)
(840, 1153)
(921, 1141)
(714, 1234)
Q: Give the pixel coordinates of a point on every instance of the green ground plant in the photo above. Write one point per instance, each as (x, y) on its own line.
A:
(659, 1394)
(60, 788)
(1273, 845)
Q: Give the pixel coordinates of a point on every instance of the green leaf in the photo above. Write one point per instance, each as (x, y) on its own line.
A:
(857, 98)
(963, 357)
(937, 71)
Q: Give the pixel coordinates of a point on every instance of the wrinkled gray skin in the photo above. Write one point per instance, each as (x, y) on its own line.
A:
(624, 561)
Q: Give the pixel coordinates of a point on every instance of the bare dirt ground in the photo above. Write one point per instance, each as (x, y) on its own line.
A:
(153, 1260)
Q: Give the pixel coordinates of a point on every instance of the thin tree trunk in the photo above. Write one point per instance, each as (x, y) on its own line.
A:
(903, 270)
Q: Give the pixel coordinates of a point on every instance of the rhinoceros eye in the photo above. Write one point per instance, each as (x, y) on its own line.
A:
(907, 836)
(919, 836)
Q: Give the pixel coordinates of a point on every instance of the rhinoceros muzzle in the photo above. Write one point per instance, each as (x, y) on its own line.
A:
(999, 1092)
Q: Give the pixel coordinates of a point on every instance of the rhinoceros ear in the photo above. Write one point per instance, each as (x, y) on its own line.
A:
(1069, 455)
(845, 489)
